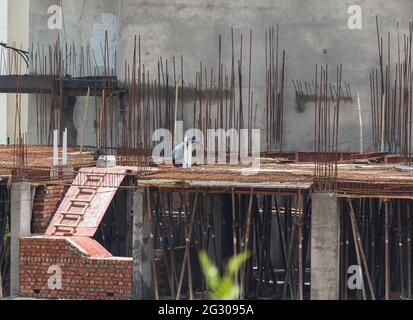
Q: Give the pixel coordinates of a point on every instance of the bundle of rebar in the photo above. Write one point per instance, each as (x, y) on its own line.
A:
(305, 93)
(391, 97)
(275, 85)
(326, 120)
(218, 98)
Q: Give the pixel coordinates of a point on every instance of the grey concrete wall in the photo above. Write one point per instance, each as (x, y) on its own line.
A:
(325, 247)
(39, 35)
(191, 28)
(311, 32)
(84, 24)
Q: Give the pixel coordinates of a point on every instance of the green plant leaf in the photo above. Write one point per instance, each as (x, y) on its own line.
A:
(222, 288)
(228, 289)
(210, 271)
(236, 262)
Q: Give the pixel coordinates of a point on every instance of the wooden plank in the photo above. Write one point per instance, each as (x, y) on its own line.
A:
(80, 201)
(72, 213)
(1, 285)
(226, 184)
(65, 226)
(88, 188)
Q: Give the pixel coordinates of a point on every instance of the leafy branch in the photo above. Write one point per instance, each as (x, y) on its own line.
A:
(223, 287)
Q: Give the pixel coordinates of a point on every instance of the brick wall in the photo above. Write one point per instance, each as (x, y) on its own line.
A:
(46, 202)
(85, 273)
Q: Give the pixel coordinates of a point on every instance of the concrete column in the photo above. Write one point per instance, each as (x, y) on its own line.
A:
(21, 203)
(142, 249)
(325, 247)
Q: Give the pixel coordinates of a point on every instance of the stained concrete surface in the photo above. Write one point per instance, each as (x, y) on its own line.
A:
(325, 247)
(311, 32)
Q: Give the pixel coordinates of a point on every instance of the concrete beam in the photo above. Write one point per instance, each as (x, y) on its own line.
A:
(325, 247)
(142, 249)
(20, 212)
(51, 84)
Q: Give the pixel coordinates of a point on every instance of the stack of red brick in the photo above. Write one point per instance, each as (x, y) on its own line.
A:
(72, 268)
(46, 202)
